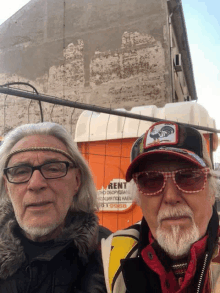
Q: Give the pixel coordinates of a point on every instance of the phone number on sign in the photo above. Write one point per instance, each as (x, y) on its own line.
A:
(117, 206)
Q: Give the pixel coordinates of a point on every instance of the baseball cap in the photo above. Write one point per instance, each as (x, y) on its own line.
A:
(172, 138)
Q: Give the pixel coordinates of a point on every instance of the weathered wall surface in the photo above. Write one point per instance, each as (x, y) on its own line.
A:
(110, 53)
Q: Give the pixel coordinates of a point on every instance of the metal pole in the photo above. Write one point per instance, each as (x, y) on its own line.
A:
(30, 85)
(71, 104)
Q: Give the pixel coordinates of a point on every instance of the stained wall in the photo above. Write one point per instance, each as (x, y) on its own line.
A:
(113, 53)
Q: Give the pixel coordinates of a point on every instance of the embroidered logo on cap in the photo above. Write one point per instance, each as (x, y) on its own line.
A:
(161, 133)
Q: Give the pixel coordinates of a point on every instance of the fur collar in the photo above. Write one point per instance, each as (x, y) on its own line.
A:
(82, 228)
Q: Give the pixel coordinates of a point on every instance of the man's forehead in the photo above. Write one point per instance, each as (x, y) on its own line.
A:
(27, 154)
(39, 143)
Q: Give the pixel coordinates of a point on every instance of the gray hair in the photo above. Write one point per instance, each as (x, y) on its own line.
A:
(214, 184)
(86, 197)
(133, 191)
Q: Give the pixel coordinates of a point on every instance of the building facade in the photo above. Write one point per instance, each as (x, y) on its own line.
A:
(111, 53)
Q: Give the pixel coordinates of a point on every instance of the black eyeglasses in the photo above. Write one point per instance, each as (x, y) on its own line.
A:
(22, 173)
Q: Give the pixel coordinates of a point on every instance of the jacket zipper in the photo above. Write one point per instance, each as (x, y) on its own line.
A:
(202, 273)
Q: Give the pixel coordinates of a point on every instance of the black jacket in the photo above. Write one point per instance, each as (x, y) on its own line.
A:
(70, 263)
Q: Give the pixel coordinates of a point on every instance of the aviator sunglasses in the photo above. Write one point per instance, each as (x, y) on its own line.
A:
(186, 180)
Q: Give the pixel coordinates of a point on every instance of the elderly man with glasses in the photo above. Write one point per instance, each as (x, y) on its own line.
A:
(49, 230)
(175, 246)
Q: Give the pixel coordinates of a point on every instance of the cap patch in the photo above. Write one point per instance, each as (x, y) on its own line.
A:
(161, 133)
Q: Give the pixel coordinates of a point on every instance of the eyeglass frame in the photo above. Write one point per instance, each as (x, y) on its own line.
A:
(38, 167)
(170, 174)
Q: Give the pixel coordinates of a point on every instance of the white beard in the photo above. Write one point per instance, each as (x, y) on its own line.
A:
(176, 241)
(36, 232)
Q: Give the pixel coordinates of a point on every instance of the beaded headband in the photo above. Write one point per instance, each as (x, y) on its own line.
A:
(39, 149)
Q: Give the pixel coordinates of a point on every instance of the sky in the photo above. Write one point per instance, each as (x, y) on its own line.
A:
(9, 7)
(203, 28)
(202, 19)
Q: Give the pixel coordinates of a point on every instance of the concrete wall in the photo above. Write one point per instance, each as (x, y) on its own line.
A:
(104, 52)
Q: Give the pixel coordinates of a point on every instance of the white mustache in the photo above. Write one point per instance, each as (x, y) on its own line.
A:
(172, 212)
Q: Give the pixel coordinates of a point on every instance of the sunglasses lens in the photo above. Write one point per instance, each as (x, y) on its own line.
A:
(190, 180)
(150, 182)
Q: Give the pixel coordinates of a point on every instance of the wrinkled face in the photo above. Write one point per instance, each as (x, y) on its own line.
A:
(40, 204)
(174, 212)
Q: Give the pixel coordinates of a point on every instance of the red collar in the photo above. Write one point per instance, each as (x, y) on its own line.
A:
(167, 277)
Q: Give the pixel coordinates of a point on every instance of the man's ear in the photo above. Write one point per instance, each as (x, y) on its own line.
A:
(5, 184)
(211, 195)
(78, 179)
(213, 198)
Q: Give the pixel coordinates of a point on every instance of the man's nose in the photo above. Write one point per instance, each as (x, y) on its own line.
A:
(37, 181)
(171, 194)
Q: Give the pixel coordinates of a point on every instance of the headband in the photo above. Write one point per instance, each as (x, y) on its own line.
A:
(39, 149)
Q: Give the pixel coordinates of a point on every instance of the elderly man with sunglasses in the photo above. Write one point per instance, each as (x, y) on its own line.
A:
(48, 227)
(175, 246)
